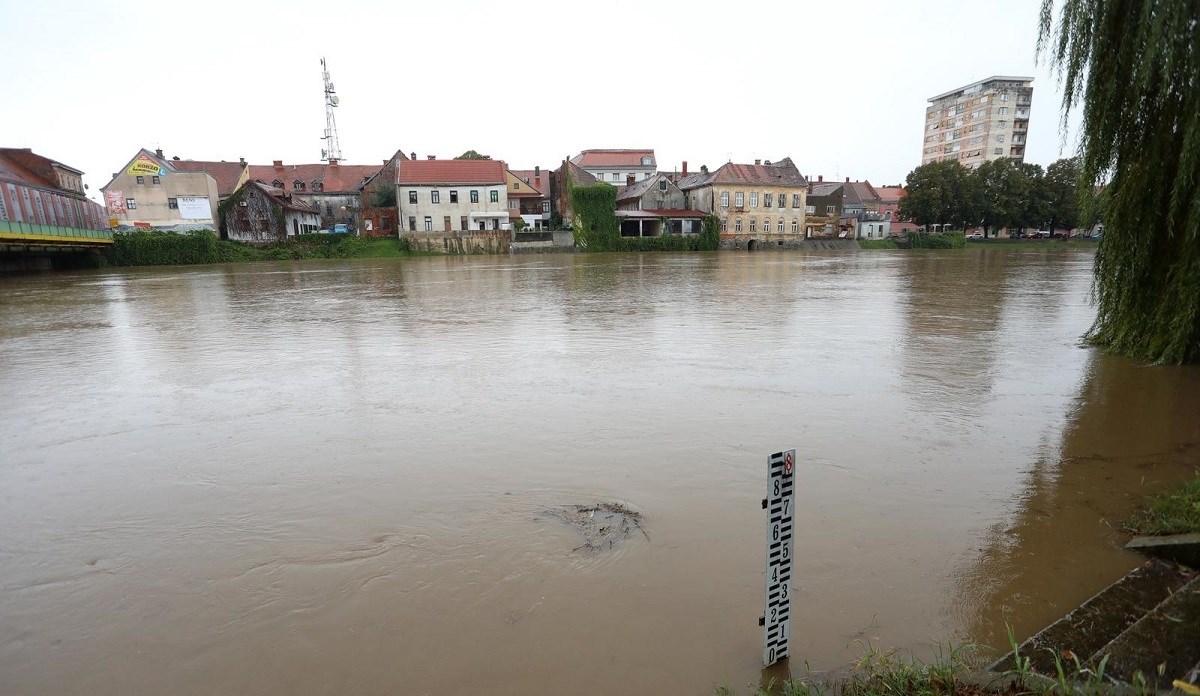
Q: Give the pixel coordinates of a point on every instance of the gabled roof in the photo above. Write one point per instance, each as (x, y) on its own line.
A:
(580, 176)
(227, 174)
(538, 180)
(890, 194)
(696, 180)
(781, 173)
(825, 188)
(859, 192)
(439, 172)
(281, 198)
(614, 158)
(341, 178)
(637, 190)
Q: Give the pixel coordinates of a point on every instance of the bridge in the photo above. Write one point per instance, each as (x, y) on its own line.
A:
(30, 246)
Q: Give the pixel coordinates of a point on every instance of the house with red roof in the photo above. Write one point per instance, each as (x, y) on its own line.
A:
(761, 204)
(889, 207)
(331, 188)
(41, 191)
(616, 166)
(452, 197)
(529, 190)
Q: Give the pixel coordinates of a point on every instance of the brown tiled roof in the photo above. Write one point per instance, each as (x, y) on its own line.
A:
(282, 198)
(781, 173)
(451, 172)
(226, 174)
(825, 188)
(859, 192)
(695, 180)
(890, 194)
(541, 182)
(580, 176)
(13, 170)
(613, 158)
(340, 178)
(628, 192)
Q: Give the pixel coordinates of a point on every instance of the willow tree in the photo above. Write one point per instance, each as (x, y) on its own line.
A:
(1134, 68)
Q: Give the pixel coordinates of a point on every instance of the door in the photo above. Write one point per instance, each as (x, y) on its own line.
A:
(446, 222)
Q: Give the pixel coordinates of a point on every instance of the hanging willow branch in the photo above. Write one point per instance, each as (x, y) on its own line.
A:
(1134, 65)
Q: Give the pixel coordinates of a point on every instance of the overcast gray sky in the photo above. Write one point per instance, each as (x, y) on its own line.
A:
(841, 87)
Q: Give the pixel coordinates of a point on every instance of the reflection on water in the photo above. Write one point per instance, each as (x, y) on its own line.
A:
(329, 477)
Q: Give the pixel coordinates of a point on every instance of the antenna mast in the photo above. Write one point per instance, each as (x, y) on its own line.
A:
(332, 150)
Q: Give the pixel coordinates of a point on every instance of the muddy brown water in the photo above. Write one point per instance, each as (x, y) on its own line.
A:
(331, 477)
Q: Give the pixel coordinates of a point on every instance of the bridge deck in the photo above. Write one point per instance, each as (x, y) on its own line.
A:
(23, 234)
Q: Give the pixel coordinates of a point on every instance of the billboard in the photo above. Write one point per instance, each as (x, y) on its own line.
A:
(194, 208)
(115, 201)
(146, 165)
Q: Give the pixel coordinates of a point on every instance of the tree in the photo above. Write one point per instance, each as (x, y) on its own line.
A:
(1061, 190)
(1005, 189)
(1133, 68)
(938, 193)
(472, 155)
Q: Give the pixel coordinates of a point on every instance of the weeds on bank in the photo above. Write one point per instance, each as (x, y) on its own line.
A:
(1174, 512)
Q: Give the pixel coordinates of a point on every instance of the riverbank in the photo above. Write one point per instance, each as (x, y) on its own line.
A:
(203, 247)
(1175, 512)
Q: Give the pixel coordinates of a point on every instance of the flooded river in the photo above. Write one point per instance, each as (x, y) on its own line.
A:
(331, 477)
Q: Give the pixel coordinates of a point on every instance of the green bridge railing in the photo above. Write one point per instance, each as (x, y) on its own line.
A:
(26, 230)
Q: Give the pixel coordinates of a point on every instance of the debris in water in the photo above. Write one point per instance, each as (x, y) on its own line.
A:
(602, 525)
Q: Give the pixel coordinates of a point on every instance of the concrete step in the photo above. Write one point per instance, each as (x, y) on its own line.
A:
(1163, 645)
(1100, 620)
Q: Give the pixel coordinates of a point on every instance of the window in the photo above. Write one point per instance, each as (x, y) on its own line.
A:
(795, 225)
(646, 161)
(474, 196)
(1003, 111)
(277, 184)
(454, 196)
(328, 209)
(297, 185)
(428, 224)
(782, 199)
(316, 185)
(829, 210)
(1002, 124)
(724, 199)
(997, 151)
(516, 186)
(1004, 97)
(512, 204)
(130, 204)
(810, 209)
(412, 197)
(173, 203)
(662, 184)
(724, 224)
(495, 196)
(999, 138)
(753, 202)
(141, 181)
(412, 223)
(616, 176)
(767, 200)
(155, 180)
(779, 226)
(435, 196)
(739, 199)
(795, 200)
(545, 206)
(753, 223)
(737, 225)
(463, 223)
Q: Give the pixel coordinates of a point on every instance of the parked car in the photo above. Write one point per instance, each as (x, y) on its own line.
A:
(341, 228)
(975, 236)
(1018, 235)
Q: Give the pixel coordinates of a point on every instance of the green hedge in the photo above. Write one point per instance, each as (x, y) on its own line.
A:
(945, 240)
(878, 244)
(170, 249)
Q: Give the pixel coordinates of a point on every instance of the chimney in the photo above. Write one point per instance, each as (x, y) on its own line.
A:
(630, 180)
(278, 164)
(684, 168)
(704, 169)
(176, 158)
(768, 163)
(159, 153)
(537, 170)
(758, 161)
(333, 163)
(847, 180)
(809, 189)
(414, 156)
(820, 178)
(242, 161)
(430, 157)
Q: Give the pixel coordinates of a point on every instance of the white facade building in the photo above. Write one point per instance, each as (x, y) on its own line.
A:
(436, 196)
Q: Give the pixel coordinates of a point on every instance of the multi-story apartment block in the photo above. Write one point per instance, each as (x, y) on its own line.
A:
(983, 121)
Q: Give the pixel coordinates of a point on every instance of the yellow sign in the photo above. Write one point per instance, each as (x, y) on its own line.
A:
(113, 222)
(146, 165)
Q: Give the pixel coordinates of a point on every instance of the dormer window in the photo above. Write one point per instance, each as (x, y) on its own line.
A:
(647, 161)
(297, 185)
(277, 184)
(316, 185)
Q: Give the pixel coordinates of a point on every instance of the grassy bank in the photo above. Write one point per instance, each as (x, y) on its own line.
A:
(1175, 512)
(1031, 243)
(169, 249)
(918, 240)
(878, 244)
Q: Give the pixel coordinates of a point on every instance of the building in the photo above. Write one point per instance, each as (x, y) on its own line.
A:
(36, 190)
(655, 206)
(758, 204)
(872, 226)
(889, 206)
(230, 176)
(452, 196)
(983, 121)
(150, 191)
(331, 188)
(859, 197)
(260, 214)
(823, 209)
(616, 166)
(377, 196)
(567, 175)
(529, 197)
